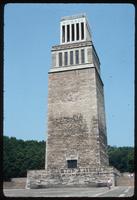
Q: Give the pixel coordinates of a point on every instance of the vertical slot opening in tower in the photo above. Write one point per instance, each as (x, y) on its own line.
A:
(60, 59)
(82, 56)
(68, 33)
(73, 34)
(82, 30)
(66, 58)
(71, 57)
(63, 34)
(77, 56)
(77, 28)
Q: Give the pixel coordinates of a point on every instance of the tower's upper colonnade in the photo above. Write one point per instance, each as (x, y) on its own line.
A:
(74, 29)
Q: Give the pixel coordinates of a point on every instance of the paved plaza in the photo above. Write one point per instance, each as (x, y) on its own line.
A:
(119, 191)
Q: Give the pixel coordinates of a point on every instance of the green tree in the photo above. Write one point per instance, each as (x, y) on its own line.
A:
(20, 156)
(121, 158)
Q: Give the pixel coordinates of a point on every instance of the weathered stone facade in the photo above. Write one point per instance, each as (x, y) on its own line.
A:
(76, 148)
(73, 120)
(78, 177)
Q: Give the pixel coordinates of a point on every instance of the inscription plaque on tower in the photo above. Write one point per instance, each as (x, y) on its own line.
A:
(76, 148)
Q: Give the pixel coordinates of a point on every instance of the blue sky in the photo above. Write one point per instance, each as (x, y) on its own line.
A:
(30, 30)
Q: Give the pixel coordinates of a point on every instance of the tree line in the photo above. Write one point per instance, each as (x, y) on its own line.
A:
(20, 156)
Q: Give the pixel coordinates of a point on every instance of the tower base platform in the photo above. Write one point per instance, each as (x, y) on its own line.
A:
(77, 177)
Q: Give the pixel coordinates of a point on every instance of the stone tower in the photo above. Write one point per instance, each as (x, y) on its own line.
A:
(76, 148)
(76, 115)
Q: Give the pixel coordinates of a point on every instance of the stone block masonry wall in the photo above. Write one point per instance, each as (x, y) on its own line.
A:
(71, 177)
(72, 119)
(102, 140)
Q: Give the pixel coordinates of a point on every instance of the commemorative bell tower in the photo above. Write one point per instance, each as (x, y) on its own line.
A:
(76, 114)
(76, 148)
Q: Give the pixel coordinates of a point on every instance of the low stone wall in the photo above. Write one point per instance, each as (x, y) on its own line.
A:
(71, 177)
(126, 179)
(15, 183)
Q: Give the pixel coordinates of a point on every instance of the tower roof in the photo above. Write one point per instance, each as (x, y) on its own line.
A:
(81, 15)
